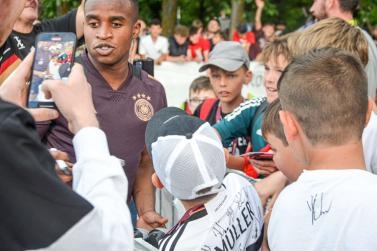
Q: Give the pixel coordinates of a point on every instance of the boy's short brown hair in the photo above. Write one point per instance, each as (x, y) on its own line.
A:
(272, 124)
(181, 30)
(327, 91)
(200, 83)
(330, 32)
(275, 48)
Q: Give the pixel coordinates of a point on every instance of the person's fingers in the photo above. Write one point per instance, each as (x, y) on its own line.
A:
(59, 155)
(43, 114)
(26, 66)
(265, 163)
(77, 74)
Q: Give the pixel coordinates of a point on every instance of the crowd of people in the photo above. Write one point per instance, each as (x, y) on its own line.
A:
(295, 170)
(194, 43)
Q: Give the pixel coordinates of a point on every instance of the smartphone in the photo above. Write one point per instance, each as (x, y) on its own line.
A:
(53, 59)
(260, 155)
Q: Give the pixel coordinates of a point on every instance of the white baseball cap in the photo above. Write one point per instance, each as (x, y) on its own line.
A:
(187, 154)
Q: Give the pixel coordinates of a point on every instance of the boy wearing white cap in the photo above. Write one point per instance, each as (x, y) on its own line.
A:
(223, 213)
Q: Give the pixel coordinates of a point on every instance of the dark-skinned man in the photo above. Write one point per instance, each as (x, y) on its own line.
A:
(124, 102)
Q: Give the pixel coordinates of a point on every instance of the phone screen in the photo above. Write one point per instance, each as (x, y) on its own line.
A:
(260, 155)
(53, 59)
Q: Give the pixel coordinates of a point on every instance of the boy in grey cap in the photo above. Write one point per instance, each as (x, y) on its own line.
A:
(228, 71)
(223, 211)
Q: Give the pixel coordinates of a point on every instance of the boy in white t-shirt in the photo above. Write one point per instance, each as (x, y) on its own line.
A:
(154, 46)
(331, 205)
(223, 213)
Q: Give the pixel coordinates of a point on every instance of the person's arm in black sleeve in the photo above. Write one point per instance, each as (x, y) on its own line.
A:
(73, 21)
(36, 207)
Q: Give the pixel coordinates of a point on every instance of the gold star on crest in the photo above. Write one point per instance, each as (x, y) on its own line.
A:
(143, 95)
(134, 98)
(148, 98)
(138, 95)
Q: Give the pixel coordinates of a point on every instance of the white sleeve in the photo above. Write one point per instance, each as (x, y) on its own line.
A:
(165, 47)
(100, 179)
(370, 144)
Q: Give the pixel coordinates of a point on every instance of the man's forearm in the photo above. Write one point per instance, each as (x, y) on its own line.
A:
(143, 191)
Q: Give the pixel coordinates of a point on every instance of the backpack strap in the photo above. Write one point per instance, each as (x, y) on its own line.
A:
(206, 108)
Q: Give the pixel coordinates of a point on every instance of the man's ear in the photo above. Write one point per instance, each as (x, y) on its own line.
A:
(371, 108)
(156, 181)
(136, 30)
(289, 125)
(330, 4)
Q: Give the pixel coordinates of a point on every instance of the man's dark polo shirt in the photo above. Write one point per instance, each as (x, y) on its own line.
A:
(122, 114)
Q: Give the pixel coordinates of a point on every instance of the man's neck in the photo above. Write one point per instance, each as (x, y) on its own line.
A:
(349, 156)
(114, 75)
(154, 39)
(229, 107)
(346, 16)
(22, 26)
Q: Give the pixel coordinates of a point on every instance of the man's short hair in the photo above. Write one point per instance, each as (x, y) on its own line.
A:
(134, 3)
(200, 84)
(156, 22)
(327, 91)
(330, 32)
(349, 5)
(275, 48)
(181, 30)
(272, 124)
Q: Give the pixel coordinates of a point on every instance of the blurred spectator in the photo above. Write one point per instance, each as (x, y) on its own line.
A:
(200, 90)
(199, 47)
(25, 30)
(264, 32)
(212, 28)
(224, 21)
(280, 29)
(198, 24)
(218, 37)
(154, 46)
(243, 36)
(178, 44)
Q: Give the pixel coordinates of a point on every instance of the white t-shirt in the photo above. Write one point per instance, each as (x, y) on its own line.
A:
(326, 210)
(233, 220)
(370, 144)
(154, 49)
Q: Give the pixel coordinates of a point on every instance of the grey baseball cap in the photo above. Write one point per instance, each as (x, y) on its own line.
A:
(227, 55)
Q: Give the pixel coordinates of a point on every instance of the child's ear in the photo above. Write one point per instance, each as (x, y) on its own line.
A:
(371, 108)
(289, 125)
(156, 181)
(248, 77)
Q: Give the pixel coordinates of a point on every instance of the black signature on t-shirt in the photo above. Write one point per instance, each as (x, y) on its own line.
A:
(317, 210)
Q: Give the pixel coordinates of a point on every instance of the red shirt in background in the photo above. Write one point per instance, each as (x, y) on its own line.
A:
(203, 45)
(250, 37)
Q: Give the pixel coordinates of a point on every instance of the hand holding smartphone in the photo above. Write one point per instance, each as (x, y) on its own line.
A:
(260, 155)
(53, 59)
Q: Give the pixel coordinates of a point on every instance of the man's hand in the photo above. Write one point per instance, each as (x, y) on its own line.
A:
(15, 90)
(151, 220)
(59, 155)
(74, 99)
(264, 167)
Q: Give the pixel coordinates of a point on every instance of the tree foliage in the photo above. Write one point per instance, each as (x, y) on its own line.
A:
(293, 13)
